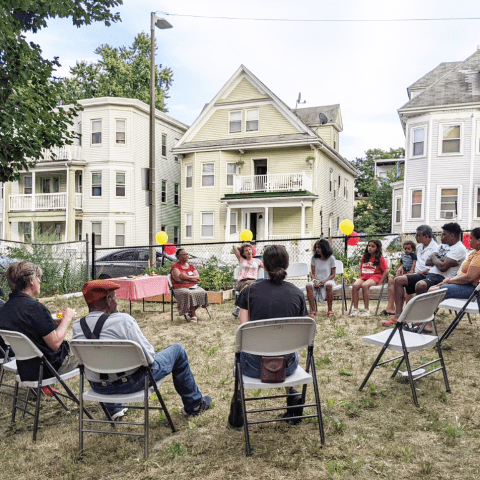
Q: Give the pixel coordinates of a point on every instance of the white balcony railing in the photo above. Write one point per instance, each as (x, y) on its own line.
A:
(42, 201)
(67, 152)
(272, 182)
(78, 201)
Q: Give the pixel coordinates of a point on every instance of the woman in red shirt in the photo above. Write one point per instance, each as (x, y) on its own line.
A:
(373, 271)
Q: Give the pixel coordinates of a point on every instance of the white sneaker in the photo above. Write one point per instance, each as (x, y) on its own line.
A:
(364, 313)
(119, 414)
(354, 312)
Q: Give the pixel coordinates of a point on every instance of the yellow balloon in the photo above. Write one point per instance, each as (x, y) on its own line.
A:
(346, 227)
(246, 236)
(162, 238)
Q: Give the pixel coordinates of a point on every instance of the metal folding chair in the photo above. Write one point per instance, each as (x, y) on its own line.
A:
(112, 356)
(421, 309)
(274, 337)
(25, 349)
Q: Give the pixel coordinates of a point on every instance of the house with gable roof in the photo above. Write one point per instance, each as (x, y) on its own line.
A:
(251, 162)
(441, 122)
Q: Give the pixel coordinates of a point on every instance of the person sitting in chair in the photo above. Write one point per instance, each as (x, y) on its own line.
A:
(102, 306)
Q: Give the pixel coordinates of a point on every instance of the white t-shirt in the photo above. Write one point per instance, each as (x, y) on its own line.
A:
(456, 252)
(423, 253)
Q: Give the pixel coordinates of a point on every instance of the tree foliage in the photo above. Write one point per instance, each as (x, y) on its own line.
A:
(373, 215)
(29, 120)
(121, 72)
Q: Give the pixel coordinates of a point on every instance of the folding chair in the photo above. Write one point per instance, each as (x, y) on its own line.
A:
(463, 308)
(274, 337)
(379, 289)
(236, 272)
(7, 364)
(25, 349)
(421, 309)
(339, 271)
(172, 296)
(112, 356)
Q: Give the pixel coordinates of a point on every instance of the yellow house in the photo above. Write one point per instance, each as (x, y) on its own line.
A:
(251, 162)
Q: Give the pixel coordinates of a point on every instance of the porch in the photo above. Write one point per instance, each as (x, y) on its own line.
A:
(273, 182)
(67, 152)
(42, 201)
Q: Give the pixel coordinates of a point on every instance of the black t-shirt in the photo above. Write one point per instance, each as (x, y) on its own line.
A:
(2, 343)
(22, 313)
(268, 300)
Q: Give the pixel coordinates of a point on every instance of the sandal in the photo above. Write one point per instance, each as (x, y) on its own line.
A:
(190, 319)
(388, 323)
(331, 314)
(313, 314)
(386, 314)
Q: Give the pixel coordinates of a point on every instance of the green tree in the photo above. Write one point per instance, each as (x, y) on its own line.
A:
(121, 72)
(373, 215)
(29, 119)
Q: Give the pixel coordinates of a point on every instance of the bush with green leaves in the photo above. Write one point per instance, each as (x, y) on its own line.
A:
(216, 277)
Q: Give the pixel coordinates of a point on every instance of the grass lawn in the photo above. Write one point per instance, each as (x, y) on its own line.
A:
(376, 433)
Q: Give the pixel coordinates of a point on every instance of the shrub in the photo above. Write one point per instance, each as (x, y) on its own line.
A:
(216, 277)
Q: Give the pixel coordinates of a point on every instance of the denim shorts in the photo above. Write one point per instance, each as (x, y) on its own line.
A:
(251, 364)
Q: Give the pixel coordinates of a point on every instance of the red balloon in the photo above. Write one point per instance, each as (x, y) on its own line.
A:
(170, 249)
(354, 239)
(466, 240)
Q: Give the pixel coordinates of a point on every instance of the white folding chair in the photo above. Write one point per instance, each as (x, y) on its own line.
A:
(339, 270)
(298, 272)
(463, 307)
(421, 309)
(7, 364)
(25, 349)
(275, 337)
(112, 356)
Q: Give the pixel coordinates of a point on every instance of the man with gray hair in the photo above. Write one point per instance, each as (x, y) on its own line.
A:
(22, 313)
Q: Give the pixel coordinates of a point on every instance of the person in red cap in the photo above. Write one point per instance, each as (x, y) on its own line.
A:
(104, 321)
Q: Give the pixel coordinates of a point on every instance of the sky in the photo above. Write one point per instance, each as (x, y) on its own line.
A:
(365, 66)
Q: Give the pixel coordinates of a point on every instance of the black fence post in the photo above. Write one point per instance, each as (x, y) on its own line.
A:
(87, 258)
(93, 255)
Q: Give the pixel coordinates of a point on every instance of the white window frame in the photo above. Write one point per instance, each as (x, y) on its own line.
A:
(208, 174)
(345, 189)
(331, 181)
(164, 144)
(97, 235)
(95, 132)
(231, 175)
(230, 121)
(202, 224)
(163, 191)
(410, 203)
(412, 141)
(475, 200)
(252, 111)
(118, 140)
(396, 199)
(175, 235)
(440, 139)
(25, 185)
(97, 185)
(233, 223)
(120, 185)
(459, 202)
(189, 224)
(176, 194)
(120, 236)
(187, 168)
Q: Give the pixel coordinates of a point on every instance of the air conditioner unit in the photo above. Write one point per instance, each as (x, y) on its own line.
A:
(447, 213)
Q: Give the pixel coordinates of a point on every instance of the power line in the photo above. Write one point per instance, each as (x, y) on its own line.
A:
(325, 20)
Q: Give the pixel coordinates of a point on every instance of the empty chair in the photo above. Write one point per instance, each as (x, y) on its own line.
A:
(111, 356)
(339, 269)
(275, 337)
(420, 309)
(298, 272)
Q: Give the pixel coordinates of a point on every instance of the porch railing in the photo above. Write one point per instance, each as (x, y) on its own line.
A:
(272, 182)
(67, 152)
(42, 201)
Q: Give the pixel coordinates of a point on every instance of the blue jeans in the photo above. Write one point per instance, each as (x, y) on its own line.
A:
(458, 291)
(172, 360)
(251, 364)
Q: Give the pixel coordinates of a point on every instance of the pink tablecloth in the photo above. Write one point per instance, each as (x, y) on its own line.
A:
(141, 287)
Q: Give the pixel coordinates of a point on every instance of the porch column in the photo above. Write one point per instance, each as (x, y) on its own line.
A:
(33, 190)
(227, 224)
(70, 206)
(7, 225)
(302, 226)
(266, 223)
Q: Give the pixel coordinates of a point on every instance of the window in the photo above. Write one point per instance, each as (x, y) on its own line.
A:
(417, 200)
(235, 121)
(175, 235)
(208, 174)
(96, 132)
(163, 228)
(164, 145)
(188, 225)
(26, 228)
(45, 185)
(331, 179)
(398, 209)
(251, 119)
(189, 176)
(164, 191)
(338, 223)
(56, 184)
(176, 194)
(477, 202)
(120, 184)
(345, 189)
(79, 130)
(207, 224)
(120, 132)
(418, 142)
(451, 138)
(97, 230)
(448, 203)
(27, 185)
(233, 223)
(231, 171)
(119, 234)
(96, 184)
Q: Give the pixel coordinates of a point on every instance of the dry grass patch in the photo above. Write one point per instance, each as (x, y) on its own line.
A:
(376, 433)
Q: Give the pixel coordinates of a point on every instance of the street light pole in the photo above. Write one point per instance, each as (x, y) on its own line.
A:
(162, 24)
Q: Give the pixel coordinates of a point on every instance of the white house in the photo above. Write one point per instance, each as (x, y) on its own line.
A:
(441, 122)
(98, 185)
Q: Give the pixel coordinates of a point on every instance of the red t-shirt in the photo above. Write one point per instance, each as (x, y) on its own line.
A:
(369, 270)
(190, 268)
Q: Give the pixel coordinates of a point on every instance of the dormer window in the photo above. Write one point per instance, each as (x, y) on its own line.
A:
(235, 121)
